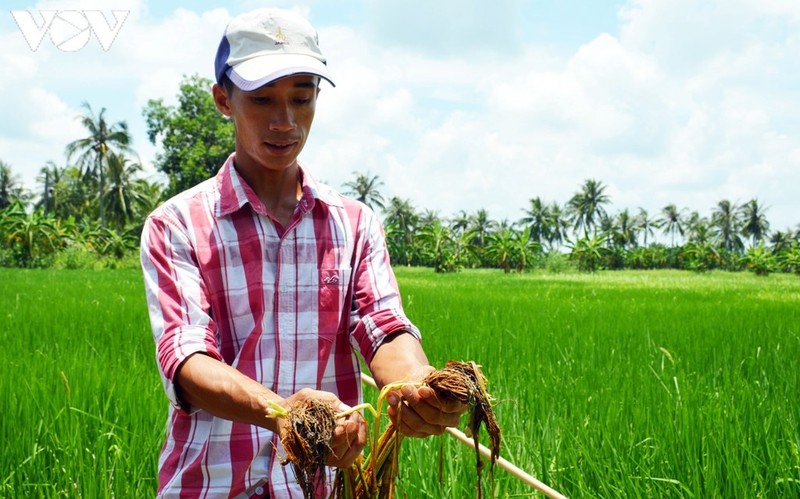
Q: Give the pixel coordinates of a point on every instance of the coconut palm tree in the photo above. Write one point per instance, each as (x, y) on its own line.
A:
(587, 206)
(365, 189)
(460, 222)
(538, 220)
(429, 217)
(754, 221)
(588, 253)
(438, 239)
(481, 226)
(11, 188)
(403, 213)
(124, 192)
(465, 253)
(781, 240)
(502, 248)
(607, 227)
(646, 225)
(526, 249)
(559, 225)
(72, 193)
(49, 176)
(94, 150)
(698, 228)
(727, 225)
(401, 221)
(624, 231)
(672, 221)
(153, 194)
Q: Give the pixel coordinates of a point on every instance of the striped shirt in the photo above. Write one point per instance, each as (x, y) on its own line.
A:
(287, 307)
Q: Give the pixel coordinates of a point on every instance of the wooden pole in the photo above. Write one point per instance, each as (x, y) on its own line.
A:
(487, 454)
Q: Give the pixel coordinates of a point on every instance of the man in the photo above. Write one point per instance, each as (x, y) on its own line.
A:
(262, 284)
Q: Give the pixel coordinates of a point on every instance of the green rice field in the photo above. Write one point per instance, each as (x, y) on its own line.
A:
(615, 384)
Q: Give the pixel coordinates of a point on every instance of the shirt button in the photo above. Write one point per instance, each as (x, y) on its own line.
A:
(260, 491)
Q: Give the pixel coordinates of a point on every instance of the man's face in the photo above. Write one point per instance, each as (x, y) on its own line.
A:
(272, 122)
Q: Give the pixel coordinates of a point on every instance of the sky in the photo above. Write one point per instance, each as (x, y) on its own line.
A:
(461, 104)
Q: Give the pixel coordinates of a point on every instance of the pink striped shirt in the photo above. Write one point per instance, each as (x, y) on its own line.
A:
(288, 308)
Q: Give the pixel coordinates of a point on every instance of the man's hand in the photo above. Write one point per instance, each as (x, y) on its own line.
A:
(350, 434)
(218, 388)
(349, 439)
(416, 411)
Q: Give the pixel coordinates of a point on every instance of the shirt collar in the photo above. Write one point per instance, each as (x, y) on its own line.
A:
(234, 192)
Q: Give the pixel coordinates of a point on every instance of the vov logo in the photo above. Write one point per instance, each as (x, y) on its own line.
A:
(70, 30)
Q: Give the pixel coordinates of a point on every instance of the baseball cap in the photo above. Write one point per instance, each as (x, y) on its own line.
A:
(260, 46)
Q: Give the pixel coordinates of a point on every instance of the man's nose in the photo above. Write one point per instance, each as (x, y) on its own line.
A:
(282, 118)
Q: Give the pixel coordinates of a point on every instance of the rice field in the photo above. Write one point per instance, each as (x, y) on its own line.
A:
(624, 384)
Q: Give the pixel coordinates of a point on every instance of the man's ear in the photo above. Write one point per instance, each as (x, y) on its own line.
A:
(221, 99)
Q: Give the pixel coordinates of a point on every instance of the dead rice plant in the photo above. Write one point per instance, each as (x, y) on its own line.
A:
(309, 433)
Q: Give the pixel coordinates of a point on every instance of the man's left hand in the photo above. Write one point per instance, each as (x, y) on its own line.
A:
(416, 411)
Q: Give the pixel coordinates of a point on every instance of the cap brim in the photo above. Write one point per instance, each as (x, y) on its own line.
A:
(259, 71)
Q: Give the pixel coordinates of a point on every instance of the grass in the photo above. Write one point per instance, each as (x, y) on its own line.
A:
(83, 412)
(628, 384)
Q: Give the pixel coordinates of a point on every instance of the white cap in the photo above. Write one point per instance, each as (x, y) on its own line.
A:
(266, 44)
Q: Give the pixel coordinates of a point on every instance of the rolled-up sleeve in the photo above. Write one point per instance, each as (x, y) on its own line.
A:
(378, 310)
(177, 299)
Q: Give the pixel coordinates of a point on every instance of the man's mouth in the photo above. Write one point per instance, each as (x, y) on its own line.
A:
(279, 148)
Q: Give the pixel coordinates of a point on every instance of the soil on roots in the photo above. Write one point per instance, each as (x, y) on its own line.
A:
(307, 437)
(464, 382)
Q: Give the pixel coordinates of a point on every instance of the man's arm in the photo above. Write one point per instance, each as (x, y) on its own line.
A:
(206, 383)
(221, 390)
(401, 358)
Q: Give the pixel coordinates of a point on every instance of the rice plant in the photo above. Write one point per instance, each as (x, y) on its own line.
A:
(615, 384)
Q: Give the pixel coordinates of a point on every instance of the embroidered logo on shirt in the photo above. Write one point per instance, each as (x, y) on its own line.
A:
(331, 279)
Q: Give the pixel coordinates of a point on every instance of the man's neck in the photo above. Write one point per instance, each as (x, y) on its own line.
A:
(278, 190)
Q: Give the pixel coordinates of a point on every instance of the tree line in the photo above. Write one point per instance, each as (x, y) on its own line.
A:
(584, 234)
(91, 211)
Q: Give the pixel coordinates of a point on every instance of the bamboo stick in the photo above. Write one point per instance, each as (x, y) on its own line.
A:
(486, 453)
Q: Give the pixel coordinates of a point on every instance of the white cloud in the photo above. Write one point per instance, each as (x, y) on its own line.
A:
(618, 110)
(687, 102)
(161, 53)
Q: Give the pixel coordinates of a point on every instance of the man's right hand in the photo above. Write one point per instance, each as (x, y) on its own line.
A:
(350, 434)
(218, 388)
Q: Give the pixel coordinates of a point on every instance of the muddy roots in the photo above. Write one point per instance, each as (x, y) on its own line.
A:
(307, 437)
(464, 382)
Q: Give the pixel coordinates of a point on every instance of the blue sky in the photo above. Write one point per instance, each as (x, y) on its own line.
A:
(460, 105)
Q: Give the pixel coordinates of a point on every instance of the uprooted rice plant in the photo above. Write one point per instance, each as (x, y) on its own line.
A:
(306, 438)
(309, 432)
(464, 382)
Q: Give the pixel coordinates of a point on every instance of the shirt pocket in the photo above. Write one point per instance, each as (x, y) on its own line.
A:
(333, 289)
